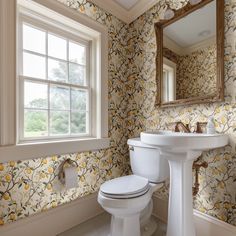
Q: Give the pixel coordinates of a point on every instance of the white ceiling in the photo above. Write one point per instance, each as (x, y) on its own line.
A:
(186, 34)
(127, 4)
(125, 10)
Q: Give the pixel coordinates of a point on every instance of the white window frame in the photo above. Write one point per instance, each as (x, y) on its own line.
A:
(10, 147)
(169, 80)
(48, 29)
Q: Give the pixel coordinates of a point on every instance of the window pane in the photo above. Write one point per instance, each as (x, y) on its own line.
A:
(59, 122)
(78, 100)
(78, 122)
(57, 47)
(34, 39)
(59, 98)
(35, 123)
(57, 70)
(34, 66)
(36, 95)
(77, 74)
(77, 53)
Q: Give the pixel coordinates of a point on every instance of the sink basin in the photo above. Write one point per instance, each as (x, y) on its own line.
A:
(184, 141)
(181, 149)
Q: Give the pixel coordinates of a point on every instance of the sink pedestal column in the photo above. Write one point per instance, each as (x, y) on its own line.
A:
(180, 211)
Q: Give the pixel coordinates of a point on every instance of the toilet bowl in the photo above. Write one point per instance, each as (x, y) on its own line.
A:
(129, 198)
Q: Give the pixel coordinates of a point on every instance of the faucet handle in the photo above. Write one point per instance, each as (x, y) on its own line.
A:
(199, 127)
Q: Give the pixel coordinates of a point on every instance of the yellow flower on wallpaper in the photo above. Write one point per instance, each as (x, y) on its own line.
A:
(8, 177)
(223, 120)
(6, 196)
(202, 209)
(221, 184)
(27, 186)
(50, 170)
(42, 175)
(1, 167)
(12, 164)
(217, 205)
(82, 178)
(227, 205)
(49, 187)
(83, 165)
(28, 171)
(1, 222)
(217, 111)
(54, 204)
(82, 9)
(12, 216)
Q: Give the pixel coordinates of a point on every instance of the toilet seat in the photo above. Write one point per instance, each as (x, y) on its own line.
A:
(125, 187)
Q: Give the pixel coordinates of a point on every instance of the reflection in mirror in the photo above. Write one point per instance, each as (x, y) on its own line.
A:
(190, 56)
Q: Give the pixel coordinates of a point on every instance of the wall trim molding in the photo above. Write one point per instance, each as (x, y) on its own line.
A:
(123, 14)
(205, 225)
(210, 226)
(7, 71)
(56, 220)
(181, 51)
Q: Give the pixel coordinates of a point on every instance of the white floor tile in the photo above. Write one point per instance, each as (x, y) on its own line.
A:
(99, 226)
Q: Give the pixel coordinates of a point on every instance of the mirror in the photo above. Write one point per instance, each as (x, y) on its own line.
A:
(190, 55)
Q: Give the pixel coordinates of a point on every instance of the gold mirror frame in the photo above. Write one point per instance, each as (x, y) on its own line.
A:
(159, 27)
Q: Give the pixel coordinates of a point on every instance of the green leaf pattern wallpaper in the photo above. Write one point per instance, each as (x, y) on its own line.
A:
(27, 187)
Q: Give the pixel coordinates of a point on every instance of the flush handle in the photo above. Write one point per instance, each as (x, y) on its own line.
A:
(131, 148)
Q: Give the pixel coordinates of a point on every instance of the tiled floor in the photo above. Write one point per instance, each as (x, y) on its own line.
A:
(99, 226)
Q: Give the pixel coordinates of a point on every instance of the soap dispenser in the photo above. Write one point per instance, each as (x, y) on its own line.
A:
(210, 127)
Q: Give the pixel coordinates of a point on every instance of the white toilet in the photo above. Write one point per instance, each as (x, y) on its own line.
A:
(129, 198)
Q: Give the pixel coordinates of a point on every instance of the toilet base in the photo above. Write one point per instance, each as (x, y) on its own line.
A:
(125, 226)
(139, 224)
(149, 228)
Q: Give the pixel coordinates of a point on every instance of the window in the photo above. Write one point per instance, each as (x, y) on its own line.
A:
(53, 81)
(169, 80)
(54, 86)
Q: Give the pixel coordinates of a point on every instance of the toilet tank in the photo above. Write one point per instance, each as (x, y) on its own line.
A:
(145, 161)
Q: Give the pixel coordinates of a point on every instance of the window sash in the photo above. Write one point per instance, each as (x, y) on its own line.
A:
(69, 38)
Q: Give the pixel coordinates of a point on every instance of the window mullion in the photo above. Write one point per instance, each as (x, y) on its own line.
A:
(68, 73)
(48, 84)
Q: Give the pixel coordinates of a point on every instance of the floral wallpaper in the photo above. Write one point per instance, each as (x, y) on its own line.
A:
(217, 195)
(196, 73)
(31, 186)
(28, 187)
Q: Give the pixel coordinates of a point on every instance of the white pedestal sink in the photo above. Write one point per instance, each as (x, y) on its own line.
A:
(181, 149)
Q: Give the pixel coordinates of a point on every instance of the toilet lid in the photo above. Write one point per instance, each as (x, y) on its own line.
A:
(125, 187)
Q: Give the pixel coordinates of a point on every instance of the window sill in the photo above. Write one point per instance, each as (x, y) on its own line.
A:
(37, 150)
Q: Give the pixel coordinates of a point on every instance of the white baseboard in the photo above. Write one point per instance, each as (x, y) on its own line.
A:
(205, 225)
(209, 226)
(55, 221)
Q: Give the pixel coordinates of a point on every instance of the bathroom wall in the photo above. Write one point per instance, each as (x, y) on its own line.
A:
(196, 73)
(27, 187)
(217, 195)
